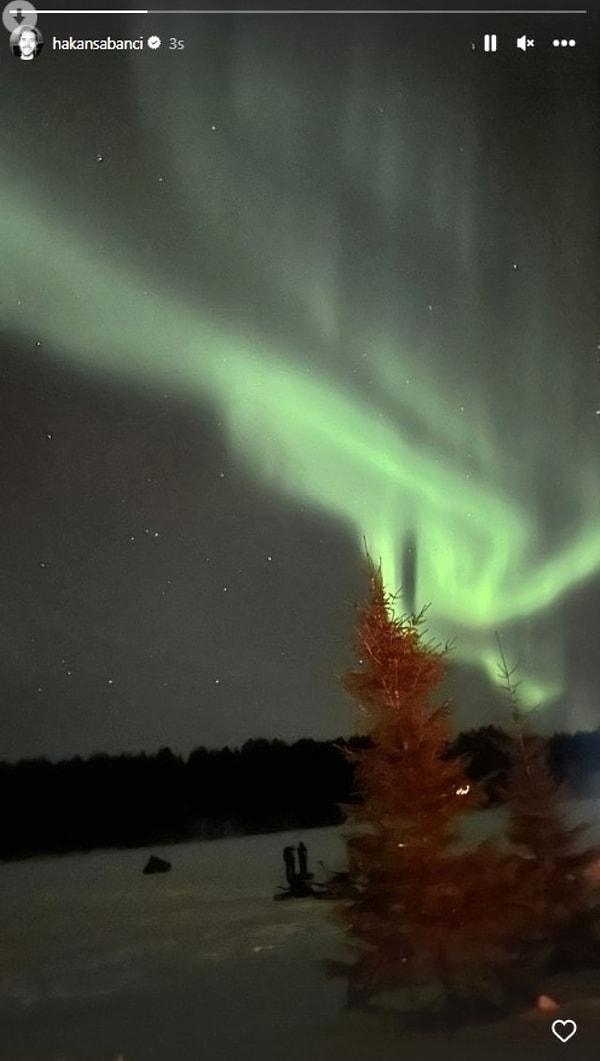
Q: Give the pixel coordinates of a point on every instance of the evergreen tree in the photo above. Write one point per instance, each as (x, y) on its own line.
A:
(419, 911)
(553, 870)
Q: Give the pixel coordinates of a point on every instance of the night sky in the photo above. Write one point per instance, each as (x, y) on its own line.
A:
(308, 281)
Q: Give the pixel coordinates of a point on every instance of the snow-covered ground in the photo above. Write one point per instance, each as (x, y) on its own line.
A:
(98, 962)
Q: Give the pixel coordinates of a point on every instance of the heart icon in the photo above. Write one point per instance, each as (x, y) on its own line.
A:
(564, 1029)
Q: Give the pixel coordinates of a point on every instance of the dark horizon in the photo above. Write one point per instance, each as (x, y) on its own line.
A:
(131, 800)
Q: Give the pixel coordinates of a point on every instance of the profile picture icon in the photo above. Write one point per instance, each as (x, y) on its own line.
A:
(26, 42)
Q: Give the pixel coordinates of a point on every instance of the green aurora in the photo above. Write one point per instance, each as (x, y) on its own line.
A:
(353, 414)
(301, 434)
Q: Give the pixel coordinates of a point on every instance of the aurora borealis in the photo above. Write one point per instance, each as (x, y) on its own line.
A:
(373, 256)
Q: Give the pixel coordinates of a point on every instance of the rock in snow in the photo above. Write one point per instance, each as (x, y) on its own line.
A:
(157, 865)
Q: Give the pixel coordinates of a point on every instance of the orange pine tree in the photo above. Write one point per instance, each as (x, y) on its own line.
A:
(419, 911)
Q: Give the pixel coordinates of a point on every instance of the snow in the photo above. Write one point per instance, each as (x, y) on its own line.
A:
(99, 962)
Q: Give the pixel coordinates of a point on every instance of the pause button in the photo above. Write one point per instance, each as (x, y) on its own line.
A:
(490, 42)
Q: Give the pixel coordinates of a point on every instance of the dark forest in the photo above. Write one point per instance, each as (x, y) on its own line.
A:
(266, 785)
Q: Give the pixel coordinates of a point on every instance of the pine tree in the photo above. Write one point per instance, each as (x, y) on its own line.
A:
(419, 911)
(553, 870)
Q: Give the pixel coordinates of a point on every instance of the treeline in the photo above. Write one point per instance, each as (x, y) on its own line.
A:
(130, 800)
(137, 799)
(574, 759)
